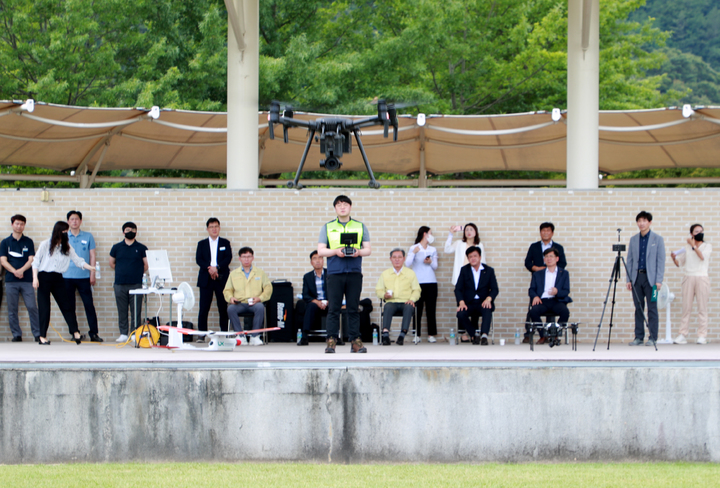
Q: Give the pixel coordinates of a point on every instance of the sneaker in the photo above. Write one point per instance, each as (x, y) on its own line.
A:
(330, 349)
(680, 339)
(636, 342)
(122, 338)
(95, 338)
(386, 339)
(16, 339)
(256, 341)
(303, 341)
(701, 340)
(476, 340)
(483, 340)
(417, 340)
(432, 340)
(357, 346)
(400, 340)
(650, 342)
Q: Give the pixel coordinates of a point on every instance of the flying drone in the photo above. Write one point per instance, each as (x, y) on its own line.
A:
(334, 135)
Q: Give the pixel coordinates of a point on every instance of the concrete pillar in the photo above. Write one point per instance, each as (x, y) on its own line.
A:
(242, 99)
(583, 94)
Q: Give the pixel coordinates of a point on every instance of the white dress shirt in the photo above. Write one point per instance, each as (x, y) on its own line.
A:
(213, 250)
(550, 278)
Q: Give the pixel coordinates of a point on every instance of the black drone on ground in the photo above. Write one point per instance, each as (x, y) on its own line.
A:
(334, 136)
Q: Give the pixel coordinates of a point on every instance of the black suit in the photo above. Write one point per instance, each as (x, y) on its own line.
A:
(556, 305)
(535, 256)
(207, 285)
(306, 308)
(466, 291)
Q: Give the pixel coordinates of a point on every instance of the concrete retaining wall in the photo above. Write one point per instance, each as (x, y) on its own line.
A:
(360, 414)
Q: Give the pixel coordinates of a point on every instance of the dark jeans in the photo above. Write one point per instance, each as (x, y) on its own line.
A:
(428, 298)
(14, 290)
(468, 318)
(82, 285)
(53, 283)
(125, 300)
(215, 287)
(310, 314)
(549, 306)
(348, 285)
(644, 289)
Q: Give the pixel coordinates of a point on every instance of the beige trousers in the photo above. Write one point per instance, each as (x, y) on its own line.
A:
(695, 286)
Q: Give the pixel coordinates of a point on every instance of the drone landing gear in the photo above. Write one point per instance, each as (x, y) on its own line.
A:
(373, 183)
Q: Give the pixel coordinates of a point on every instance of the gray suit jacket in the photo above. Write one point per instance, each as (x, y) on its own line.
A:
(655, 258)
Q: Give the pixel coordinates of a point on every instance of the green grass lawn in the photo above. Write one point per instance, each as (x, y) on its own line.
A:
(626, 475)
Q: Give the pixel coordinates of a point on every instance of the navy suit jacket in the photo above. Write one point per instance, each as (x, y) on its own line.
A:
(487, 285)
(309, 292)
(535, 256)
(202, 258)
(562, 283)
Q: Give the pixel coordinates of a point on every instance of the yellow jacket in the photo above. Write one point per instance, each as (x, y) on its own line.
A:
(405, 285)
(256, 285)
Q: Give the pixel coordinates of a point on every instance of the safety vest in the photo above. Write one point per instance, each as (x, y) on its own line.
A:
(335, 229)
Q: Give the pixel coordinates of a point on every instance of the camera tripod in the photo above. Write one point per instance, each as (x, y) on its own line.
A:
(614, 278)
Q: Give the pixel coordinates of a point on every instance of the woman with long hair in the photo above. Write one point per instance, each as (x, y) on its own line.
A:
(471, 237)
(422, 258)
(51, 261)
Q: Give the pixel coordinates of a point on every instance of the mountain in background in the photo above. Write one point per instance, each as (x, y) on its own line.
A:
(693, 50)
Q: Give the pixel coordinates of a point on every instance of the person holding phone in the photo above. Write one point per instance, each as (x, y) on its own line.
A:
(422, 258)
(470, 238)
(695, 257)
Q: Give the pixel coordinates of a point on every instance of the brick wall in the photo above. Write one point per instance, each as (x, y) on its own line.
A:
(282, 227)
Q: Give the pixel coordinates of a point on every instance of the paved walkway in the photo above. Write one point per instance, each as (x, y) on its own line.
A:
(424, 353)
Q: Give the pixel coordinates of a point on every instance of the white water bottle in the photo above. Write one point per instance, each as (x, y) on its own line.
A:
(375, 337)
(452, 337)
(144, 281)
(97, 271)
(517, 336)
(299, 336)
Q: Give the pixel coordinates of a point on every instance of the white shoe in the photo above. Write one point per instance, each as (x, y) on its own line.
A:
(417, 340)
(680, 339)
(701, 340)
(256, 341)
(432, 339)
(122, 338)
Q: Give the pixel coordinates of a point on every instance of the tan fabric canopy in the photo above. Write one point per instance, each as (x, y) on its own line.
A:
(87, 139)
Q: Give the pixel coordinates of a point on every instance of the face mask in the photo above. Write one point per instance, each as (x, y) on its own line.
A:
(430, 238)
(130, 236)
(699, 237)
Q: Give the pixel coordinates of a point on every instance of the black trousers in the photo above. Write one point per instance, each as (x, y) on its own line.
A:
(468, 318)
(82, 285)
(644, 290)
(428, 298)
(206, 296)
(309, 314)
(348, 285)
(548, 306)
(53, 283)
